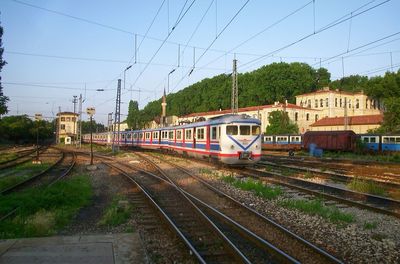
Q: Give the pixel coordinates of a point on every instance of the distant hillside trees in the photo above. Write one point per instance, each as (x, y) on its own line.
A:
(280, 123)
(3, 99)
(270, 83)
(21, 129)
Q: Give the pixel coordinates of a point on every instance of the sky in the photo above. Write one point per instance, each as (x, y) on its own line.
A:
(56, 49)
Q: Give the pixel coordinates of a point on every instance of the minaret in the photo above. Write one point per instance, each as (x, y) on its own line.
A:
(164, 108)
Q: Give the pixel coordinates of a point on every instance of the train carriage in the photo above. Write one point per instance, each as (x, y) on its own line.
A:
(231, 139)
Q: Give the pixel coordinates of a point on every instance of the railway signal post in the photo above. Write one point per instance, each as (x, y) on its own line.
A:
(38, 118)
(91, 111)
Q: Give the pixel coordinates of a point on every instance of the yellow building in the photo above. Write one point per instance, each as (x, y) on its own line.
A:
(67, 127)
(302, 116)
(335, 103)
(359, 124)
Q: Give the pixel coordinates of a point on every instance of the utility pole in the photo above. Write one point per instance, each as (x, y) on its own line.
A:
(117, 116)
(74, 101)
(346, 118)
(234, 97)
(80, 120)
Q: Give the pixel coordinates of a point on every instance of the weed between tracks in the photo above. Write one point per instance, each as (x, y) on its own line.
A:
(42, 211)
(257, 187)
(366, 186)
(317, 207)
(20, 173)
(117, 213)
(7, 156)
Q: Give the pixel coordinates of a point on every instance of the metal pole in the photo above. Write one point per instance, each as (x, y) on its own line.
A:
(91, 141)
(37, 142)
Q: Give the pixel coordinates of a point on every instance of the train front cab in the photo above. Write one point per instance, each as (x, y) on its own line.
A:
(240, 143)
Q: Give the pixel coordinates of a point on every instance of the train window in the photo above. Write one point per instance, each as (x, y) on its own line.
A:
(231, 130)
(397, 139)
(147, 135)
(200, 133)
(255, 130)
(372, 140)
(155, 135)
(267, 139)
(179, 134)
(213, 132)
(135, 136)
(171, 135)
(188, 133)
(123, 136)
(140, 135)
(244, 130)
(385, 140)
(128, 136)
(366, 140)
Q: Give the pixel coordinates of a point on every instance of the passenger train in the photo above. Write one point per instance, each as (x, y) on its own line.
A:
(230, 139)
(371, 142)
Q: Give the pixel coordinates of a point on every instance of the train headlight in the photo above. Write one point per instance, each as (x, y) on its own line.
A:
(256, 146)
(232, 146)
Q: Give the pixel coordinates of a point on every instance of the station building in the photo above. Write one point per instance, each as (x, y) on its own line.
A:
(323, 110)
(67, 127)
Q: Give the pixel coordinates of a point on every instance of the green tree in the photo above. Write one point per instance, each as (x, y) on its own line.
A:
(352, 83)
(133, 118)
(280, 123)
(97, 127)
(3, 99)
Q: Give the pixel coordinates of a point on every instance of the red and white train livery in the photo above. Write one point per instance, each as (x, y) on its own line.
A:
(231, 139)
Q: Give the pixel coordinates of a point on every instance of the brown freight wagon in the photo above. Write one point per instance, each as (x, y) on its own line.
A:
(330, 140)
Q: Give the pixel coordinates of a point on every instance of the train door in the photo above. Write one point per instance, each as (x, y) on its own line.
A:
(208, 137)
(194, 137)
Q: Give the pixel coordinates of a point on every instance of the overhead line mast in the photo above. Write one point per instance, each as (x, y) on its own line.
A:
(234, 97)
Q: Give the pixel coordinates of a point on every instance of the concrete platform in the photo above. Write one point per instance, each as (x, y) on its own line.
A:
(96, 249)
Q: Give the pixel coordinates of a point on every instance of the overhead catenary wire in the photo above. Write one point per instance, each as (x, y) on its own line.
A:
(331, 25)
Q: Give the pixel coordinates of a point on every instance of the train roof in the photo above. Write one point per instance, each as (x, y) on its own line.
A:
(223, 119)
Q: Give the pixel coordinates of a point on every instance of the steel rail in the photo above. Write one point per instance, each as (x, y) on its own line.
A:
(250, 210)
(237, 254)
(330, 192)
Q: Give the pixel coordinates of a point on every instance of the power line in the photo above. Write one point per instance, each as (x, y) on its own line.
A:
(352, 15)
(219, 34)
(262, 31)
(162, 44)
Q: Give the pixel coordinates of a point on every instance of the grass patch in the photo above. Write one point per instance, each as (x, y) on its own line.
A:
(308, 175)
(257, 187)
(42, 211)
(317, 207)
(20, 173)
(206, 171)
(117, 213)
(390, 157)
(369, 226)
(7, 156)
(366, 186)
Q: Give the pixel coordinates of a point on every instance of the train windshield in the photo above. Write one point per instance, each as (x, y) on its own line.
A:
(245, 130)
(255, 130)
(232, 130)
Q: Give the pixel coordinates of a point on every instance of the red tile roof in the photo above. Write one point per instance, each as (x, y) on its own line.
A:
(353, 120)
(249, 108)
(329, 91)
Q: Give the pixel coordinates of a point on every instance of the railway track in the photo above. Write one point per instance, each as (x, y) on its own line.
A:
(47, 176)
(43, 178)
(211, 200)
(202, 237)
(24, 156)
(361, 200)
(338, 172)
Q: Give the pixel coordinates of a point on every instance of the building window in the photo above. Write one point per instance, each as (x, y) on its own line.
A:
(321, 103)
(340, 105)
(316, 118)
(62, 118)
(316, 103)
(309, 103)
(68, 119)
(349, 103)
(326, 102)
(357, 103)
(307, 116)
(62, 126)
(296, 116)
(335, 102)
(301, 103)
(74, 119)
